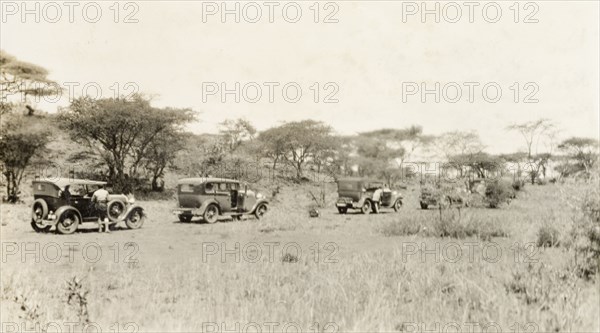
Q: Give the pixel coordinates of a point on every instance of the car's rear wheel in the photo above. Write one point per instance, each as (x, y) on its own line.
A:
(424, 205)
(260, 211)
(185, 218)
(67, 222)
(211, 214)
(39, 210)
(397, 205)
(38, 214)
(115, 209)
(366, 207)
(342, 210)
(135, 219)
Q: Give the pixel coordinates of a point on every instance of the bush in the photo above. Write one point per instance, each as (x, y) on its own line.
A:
(497, 192)
(547, 236)
(518, 184)
(586, 234)
(456, 227)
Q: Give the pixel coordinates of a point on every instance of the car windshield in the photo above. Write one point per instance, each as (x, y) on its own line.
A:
(374, 185)
(77, 189)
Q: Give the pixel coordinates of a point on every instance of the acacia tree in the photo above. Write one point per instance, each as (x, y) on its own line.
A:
(405, 141)
(120, 131)
(20, 80)
(480, 163)
(583, 150)
(160, 154)
(515, 159)
(383, 152)
(297, 143)
(342, 157)
(533, 132)
(20, 140)
(461, 149)
(235, 132)
(273, 144)
(376, 157)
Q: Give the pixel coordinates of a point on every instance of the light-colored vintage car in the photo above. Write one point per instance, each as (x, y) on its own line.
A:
(51, 207)
(210, 198)
(358, 193)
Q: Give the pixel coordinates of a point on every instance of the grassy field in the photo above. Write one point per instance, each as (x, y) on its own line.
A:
(407, 271)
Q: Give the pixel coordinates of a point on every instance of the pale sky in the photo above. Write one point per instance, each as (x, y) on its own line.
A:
(371, 54)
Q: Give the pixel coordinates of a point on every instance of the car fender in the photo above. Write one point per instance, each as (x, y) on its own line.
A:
(396, 197)
(205, 204)
(362, 200)
(258, 202)
(130, 209)
(64, 209)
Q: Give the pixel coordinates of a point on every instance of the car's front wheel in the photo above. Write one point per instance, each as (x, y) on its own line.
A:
(67, 222)
(366, 207)
(342, 210)
(211, 214)
(424, 205)
(135, 219)
(260, 211)
(397, 205)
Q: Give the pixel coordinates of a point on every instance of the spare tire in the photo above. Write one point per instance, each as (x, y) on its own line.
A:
(115, 210)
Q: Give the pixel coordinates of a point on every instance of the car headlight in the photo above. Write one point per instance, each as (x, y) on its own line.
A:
(131, 200)
(259, 196)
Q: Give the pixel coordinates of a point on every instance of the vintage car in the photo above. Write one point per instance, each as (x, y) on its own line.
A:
(210, 198)
(51, 207)
(443, 196)
(357, 193)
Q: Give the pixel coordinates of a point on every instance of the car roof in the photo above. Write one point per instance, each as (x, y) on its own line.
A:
(62, 182)
(202, 180)
(358, 179)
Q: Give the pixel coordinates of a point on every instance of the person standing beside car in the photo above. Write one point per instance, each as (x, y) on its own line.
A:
(66, 194)
(100, 200)
(377, 199)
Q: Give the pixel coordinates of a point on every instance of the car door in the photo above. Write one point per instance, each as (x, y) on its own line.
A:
(223, 196)
(80, 199)
(233, 195)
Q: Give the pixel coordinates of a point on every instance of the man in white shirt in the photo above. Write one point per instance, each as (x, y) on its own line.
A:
(377, 199)
(100, 200)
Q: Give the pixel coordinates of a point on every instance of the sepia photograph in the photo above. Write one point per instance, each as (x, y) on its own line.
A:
(316, 166)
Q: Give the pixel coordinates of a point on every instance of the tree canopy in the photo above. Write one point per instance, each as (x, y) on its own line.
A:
(19, 80)
(121, 132)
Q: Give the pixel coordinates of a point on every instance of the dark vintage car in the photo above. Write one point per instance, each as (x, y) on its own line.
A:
(51, 207)
(210, 198)
(358, 193)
